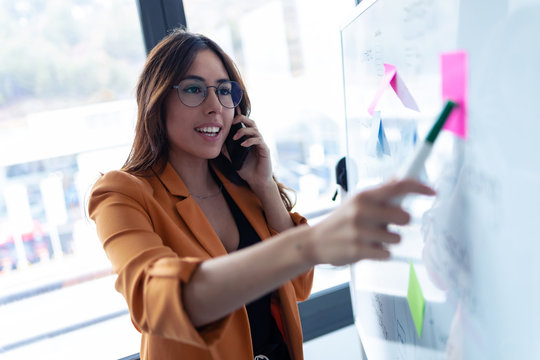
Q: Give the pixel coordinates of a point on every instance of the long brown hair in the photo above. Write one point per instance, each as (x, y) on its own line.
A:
(166, 65)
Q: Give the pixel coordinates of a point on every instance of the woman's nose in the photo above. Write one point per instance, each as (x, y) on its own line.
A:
(212, 102)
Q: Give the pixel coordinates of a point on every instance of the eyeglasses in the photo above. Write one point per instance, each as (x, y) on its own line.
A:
(193, 92)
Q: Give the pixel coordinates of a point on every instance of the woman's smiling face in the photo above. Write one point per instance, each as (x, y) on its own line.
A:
(197, 133)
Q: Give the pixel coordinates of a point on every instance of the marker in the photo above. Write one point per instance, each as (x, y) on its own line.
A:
(416, 166)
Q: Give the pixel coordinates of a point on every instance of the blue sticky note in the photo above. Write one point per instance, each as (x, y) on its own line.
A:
(382, 144)
(377, 144)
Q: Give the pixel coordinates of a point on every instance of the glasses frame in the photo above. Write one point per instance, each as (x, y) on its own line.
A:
(205, 93)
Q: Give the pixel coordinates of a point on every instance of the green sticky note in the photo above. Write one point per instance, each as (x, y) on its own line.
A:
(416, 300)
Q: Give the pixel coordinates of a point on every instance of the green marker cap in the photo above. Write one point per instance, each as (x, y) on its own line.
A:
(436, 129)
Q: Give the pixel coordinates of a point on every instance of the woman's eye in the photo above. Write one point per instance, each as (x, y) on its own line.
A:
(192, 89)
(224, 91)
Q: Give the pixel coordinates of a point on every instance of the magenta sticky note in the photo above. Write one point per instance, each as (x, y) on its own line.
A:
(389, 73)
(392, 79)
(403, 92)
(454, 73)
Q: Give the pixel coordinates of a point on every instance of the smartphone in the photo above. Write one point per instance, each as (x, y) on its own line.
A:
(237, 152)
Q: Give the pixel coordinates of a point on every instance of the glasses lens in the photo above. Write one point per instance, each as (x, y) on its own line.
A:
(191, 92)
(229, 94)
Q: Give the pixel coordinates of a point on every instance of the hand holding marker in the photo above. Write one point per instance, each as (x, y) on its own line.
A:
(416, 166)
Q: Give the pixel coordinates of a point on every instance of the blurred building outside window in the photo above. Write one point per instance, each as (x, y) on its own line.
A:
(67, 111)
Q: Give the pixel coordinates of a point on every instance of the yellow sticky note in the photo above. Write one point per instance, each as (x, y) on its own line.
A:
(416, 300)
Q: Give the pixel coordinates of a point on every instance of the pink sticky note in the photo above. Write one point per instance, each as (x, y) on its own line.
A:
(454, 72)
(389, 73)
(403, 92)
(392, 79)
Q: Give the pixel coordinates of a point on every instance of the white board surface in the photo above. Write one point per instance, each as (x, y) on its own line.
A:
(475, 247)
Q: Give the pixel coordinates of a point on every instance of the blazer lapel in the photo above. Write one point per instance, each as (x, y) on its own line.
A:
(191, 213)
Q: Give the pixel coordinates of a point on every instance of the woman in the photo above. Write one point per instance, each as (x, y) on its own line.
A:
(210, 260)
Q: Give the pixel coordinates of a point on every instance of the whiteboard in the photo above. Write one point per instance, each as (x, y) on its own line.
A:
(474, 247)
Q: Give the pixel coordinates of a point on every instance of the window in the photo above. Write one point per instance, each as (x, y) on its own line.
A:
(67, 75)
(67, 112)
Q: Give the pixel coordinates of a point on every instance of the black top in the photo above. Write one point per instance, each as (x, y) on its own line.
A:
(265, 335)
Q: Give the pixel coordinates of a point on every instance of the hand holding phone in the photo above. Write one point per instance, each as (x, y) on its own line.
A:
(237, 152)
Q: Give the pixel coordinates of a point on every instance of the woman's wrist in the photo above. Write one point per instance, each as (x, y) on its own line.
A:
(277, 216)
(303, 245)
(267, 189)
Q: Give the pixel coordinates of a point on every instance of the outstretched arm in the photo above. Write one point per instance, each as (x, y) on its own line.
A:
(356, 230)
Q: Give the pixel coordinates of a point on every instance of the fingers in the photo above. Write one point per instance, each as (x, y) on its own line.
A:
(373, 208)
(359, 228)
(380, 214)
(378, 236)
(250, 131)
(359, 251)
(252, 141)
(247, 121)
(392, 189)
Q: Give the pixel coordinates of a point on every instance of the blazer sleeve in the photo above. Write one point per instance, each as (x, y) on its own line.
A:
(150, 274)
(303, 283)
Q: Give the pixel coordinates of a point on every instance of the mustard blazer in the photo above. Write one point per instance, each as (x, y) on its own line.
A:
(155, 235)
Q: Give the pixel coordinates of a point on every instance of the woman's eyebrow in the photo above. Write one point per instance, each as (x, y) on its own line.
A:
(196, 77)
